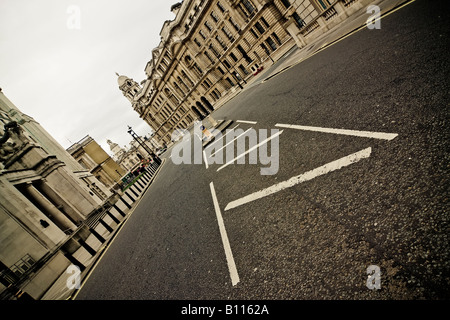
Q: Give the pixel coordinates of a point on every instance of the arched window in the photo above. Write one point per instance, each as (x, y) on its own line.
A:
(185, 76)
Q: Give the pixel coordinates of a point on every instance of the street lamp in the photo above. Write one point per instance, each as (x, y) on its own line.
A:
(143, 145)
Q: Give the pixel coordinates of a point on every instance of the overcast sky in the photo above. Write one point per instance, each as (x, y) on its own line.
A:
(64, 77)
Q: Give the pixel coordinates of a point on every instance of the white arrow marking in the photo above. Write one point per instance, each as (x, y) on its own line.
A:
(251, 149)
(327, 168)
(356, 133)
(226, 243)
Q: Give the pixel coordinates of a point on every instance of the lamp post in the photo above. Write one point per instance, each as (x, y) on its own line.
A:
(143, 145)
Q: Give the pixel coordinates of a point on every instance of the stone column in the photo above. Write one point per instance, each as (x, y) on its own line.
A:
(54, 195)
(295, 34)
(50, 210)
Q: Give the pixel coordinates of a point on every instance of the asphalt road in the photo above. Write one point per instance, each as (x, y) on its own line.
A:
(314, 239)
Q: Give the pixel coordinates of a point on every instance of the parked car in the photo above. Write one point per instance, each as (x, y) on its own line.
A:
(161, 151)
(256, 69)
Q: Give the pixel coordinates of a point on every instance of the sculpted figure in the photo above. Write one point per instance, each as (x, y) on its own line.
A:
(14, 133)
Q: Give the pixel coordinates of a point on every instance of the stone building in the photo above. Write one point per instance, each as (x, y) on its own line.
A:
(91, 156)
(214, 47)
(117, 151)
(208, 50)
(128, 160)
(131, 158)
(45, 197)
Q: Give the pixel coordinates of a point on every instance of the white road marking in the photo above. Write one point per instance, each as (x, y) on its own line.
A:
(206, 160)
(251, 149)
(244, 121)
(231, 141)
(229, 131)
(327, 168)
(365, 134)
(226, 244)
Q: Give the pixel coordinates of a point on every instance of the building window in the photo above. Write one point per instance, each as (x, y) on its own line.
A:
(197, 68)
(298, 21)
(271, 43)
(202, 34)
(225, 62)
(185, 76)
(214, 50)
(209, 57)
(220, 6)
(244, 54)
(221, 70)
(228, 33)
(241, 50)
(254, 33)
(197, 42)
(286, 3)
(214, 16)
(324, 3)
(221, 42)
(274, 35)
(205, 85)
(265, 48)
(182, 83)
(83, 164)
(259, 27)
(234, 24)
(233, 56)
(264, 21)
(249, 7)
(178, 89)
(188, 60)
(208, 26)
(242, 68)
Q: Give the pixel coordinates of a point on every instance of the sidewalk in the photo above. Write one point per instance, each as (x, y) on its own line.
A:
(352, 24)
(355, 22)
(296, 55)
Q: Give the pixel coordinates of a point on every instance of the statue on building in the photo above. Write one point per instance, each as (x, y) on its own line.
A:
(12, 141)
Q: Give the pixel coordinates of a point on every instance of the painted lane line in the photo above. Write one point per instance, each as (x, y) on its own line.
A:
(327, 168)
(356, 133)
(231, 141)
(205, 159)
(244, 121)
(228, 131)
(226, 243)
(251, 149)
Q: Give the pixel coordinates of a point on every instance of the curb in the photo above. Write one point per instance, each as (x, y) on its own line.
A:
(105, 247)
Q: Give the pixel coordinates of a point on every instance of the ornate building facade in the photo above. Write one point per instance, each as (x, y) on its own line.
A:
(129, 160)
(45, 199)
(91, 156)
(213, 47)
